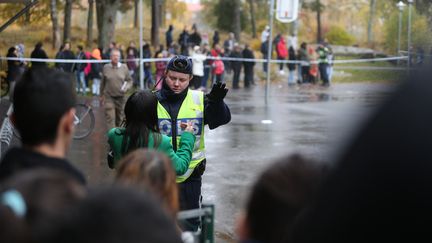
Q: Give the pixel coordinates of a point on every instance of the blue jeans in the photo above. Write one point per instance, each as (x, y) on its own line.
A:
(81, 82)
(291, 77)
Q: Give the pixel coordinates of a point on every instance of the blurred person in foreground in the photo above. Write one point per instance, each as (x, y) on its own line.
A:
(279, 198)
(116, 215)
(43, 114)
(381, 187)
(34, 201)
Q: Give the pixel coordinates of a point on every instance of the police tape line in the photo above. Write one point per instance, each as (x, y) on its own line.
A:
(303, 63)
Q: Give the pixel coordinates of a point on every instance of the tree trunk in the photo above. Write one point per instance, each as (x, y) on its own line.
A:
(67, 20)
(155, 24)
(295, 29)
(161, 13)
(370, 22)
(106, 11)
(237, 23)
(252, 14)
(55, 25)
(136, 4)
(27, 17)
(318, 9)
(90, 23)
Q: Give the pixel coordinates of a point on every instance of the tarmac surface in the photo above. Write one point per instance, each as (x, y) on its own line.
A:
(311, 120)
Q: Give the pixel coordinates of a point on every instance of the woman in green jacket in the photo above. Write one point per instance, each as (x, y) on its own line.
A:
(141, 130)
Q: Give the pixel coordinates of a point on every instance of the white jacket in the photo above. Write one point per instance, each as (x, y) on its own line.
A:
(198, 64)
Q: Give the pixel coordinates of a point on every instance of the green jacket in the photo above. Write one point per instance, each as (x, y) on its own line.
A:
(180, 159)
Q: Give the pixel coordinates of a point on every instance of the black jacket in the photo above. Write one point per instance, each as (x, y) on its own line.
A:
(19, 159)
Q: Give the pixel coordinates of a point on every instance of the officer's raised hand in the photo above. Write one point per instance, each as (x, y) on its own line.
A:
(218, 92)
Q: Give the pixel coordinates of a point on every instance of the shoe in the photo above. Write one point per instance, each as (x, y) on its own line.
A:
(281, 72)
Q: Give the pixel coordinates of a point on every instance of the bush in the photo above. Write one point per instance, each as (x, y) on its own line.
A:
(338, 36)
(420, 34)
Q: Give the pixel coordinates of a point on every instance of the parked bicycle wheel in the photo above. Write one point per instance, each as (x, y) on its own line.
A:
(84, 121)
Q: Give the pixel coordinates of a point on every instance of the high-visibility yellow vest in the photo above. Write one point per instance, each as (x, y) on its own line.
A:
(191, 110)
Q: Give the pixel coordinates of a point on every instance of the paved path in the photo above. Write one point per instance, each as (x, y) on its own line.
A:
(312, 121)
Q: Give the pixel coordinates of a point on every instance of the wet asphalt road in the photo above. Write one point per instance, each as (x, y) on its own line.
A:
(313, 121)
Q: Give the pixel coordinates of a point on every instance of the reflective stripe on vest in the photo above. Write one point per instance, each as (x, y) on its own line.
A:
(191, 110)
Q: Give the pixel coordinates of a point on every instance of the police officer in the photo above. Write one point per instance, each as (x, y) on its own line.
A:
(177, 105)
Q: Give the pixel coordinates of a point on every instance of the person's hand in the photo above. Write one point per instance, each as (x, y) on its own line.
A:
(218, 92)
(188, 127)
(102, 100)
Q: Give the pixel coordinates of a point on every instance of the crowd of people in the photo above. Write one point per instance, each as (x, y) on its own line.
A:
(379, 186)
(207, 56)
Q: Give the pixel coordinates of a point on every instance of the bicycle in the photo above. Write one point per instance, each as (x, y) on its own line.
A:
(84, 121)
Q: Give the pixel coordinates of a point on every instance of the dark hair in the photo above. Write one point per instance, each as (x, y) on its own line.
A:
(41, 98)
(116, 215)
(46, 193)
(80, 47)
(303, 45)
(38, 45)
(11, 51)
(140, 119)
(279, 196)
(153, 171)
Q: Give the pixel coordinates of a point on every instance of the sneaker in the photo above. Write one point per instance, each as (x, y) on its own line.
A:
(281, 72)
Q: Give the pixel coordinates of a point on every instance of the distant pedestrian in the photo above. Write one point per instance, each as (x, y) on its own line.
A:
(265, 34)
(115, 83)
(264, 52)
(66, 54)
(216, 37)
(79, 71)
(305, 62)
(169, 36)
(323, 64)
(38, 53)
(218, 70)
(207, 67)
(96, 71)
(148, 77)
(248, 67)
(198, 59)
(228, 47)
(183, 41)
(195, 38)
(236, 65)
(281, 51)
(291, 66)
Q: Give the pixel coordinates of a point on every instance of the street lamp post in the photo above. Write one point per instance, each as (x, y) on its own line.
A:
(410, 2)
(269, 52)
(401, 7)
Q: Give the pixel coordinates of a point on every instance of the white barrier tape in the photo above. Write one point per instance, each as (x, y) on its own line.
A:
(209, 58)
(370, 68)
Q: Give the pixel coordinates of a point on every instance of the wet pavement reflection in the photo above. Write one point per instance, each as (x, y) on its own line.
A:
(313, 121)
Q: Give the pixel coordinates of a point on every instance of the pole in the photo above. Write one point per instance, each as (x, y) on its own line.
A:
(399, 32)
(269, 51)
(141, 64)
(409, 33)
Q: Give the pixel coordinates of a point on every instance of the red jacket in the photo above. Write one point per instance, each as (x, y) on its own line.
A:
(281, 48)
(218, 67)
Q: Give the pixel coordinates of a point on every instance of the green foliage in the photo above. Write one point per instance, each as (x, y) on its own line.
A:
(420, 36)
(223, 10)
(339, 36)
